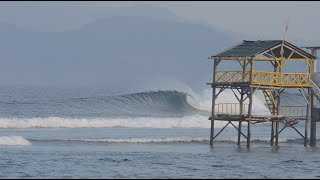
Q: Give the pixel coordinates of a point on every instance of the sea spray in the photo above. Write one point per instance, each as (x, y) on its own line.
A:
(203, 101)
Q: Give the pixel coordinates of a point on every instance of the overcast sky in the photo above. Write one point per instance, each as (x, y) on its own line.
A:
(256, 20)
(94, 48)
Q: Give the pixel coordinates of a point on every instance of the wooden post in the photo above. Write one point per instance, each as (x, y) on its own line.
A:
(272, 133)
(240, 121)
(313, 127)
(280, 67)
(212, 116)
(249, 114)
(250, 104)
(313, 123)
(273, 124)
(215, 64)
(277, 113)
(244, 66)
(277, 133)
(307, 117)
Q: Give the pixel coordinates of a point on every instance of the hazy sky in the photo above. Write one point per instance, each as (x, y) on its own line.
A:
(94, 38)
(256, 20)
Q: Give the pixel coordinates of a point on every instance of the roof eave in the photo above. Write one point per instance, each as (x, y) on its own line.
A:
(230, 57)
(301, 51)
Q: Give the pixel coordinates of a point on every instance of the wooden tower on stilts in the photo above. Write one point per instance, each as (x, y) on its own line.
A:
(315, 113)
(272, 82)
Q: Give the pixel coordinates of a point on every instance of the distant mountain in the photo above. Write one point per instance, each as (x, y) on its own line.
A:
(69, 15)
(118, 51)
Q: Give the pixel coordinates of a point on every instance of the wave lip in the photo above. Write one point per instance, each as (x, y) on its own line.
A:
(13, 141)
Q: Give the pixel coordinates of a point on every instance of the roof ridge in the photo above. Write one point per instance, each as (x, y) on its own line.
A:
(251, 48)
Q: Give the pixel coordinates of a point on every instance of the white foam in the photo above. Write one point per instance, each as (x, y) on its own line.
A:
(13, 140)
(203, 101)
(174, 139)
(195, 121)
(150, 140)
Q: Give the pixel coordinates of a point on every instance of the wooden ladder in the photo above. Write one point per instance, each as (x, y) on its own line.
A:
(270, 100)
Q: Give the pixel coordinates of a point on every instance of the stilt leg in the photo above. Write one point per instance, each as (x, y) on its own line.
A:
(249, 114)
(249, 134)
(277, 133)
(272, 134)
(307, 117)
(239, 132)
(212, 133)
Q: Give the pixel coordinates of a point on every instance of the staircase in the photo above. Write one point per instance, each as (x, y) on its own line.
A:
(270, 100)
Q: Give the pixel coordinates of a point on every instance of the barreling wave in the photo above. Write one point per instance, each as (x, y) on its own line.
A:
(159, 102)
(150, 103)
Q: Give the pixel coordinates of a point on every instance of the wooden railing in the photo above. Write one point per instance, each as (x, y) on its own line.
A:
(234, 109)
(293, 111)
(296, 79)
(230, 108)
(232, 76)
(264, 78)
(281, 79)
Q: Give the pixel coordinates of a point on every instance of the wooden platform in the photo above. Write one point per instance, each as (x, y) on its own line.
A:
(254, 118)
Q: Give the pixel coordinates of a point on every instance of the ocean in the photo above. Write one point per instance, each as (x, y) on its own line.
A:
(48, 132)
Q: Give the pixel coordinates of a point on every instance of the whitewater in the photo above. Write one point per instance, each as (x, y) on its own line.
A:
(153, 109)
(148, 133)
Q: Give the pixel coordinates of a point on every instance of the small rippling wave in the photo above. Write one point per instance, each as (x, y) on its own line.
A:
(159, 140)
(13, 141)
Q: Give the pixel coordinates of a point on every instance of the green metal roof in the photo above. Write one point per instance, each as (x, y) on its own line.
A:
(251, 48)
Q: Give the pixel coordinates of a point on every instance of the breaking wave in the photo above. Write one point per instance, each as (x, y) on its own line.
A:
(150, 103)
(151, 109)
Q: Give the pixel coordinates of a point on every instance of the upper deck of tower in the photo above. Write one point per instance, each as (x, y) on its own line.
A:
(278, 52)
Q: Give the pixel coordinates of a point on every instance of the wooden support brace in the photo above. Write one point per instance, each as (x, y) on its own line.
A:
(221, 130)
(272, 137)
(238, 130)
